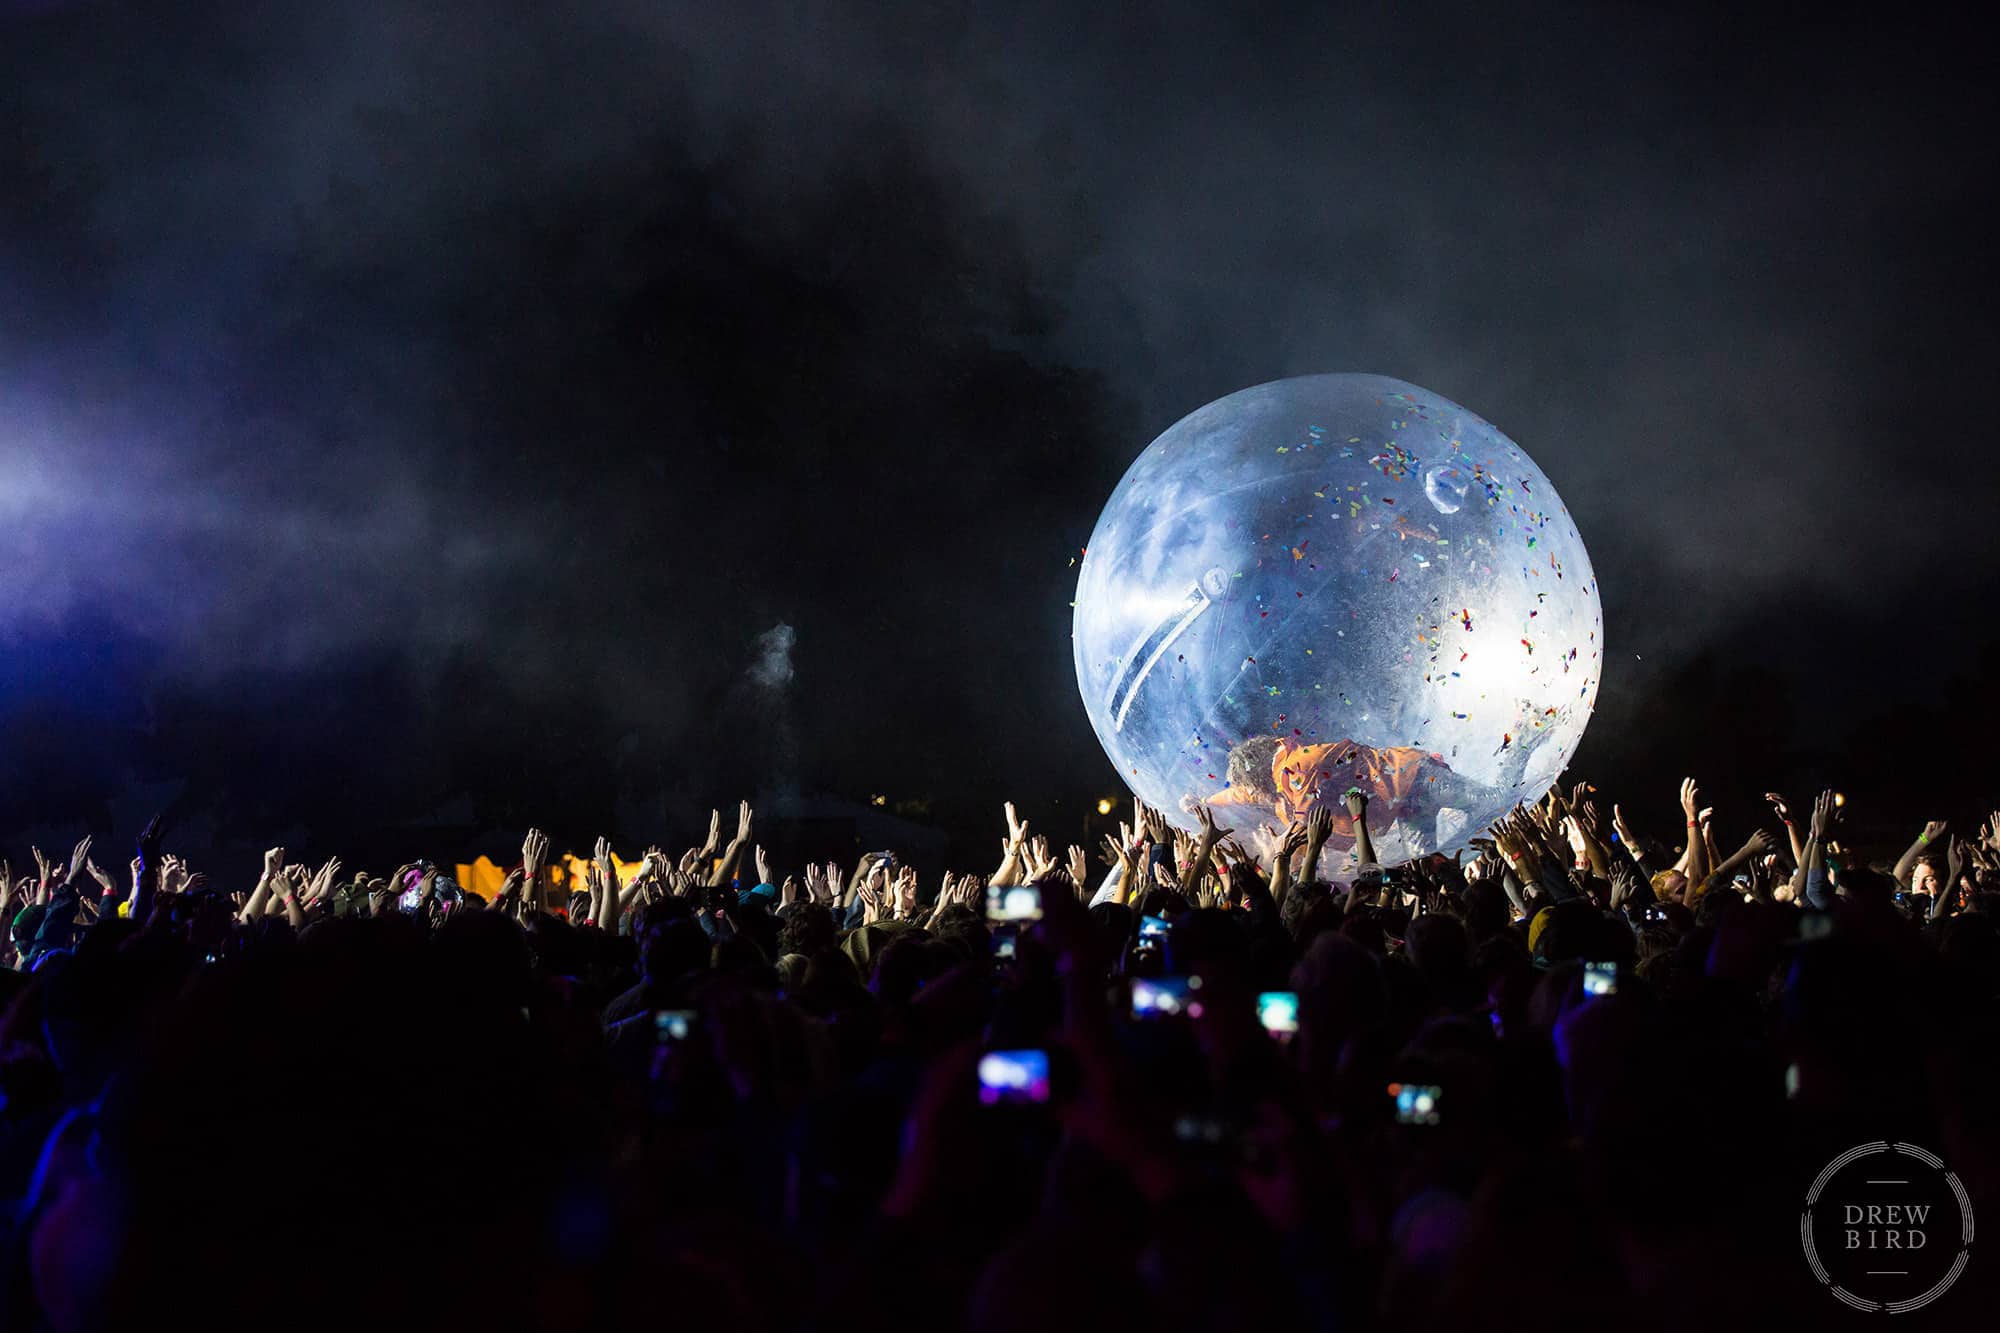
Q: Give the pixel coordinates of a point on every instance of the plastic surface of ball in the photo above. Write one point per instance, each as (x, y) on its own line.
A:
(1338, 583)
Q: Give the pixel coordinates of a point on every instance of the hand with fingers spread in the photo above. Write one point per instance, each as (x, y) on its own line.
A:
(1078, 865)
(763, 864)
(1040, 864)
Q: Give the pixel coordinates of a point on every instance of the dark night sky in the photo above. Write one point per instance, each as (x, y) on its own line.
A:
(397, 407)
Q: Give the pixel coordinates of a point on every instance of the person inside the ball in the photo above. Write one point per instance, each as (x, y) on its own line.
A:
(1406, 786)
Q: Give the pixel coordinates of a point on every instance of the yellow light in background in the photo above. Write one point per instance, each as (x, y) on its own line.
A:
(1839, 799)
(1104, 807)
(878, 800)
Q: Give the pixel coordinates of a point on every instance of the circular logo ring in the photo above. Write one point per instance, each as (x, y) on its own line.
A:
(1883, 1200)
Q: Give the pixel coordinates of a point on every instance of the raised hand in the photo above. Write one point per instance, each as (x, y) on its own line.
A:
(1690, 798)
(1822, 815)
(322, 882)
(1211, 834)
(534, 855)
(1040, 862)
(1017, 828)
(1079, 865)
(1116, 849)
(1778, 806)
(76, 860)
(763, 863)
(788, 892)
(906, 892)
(713, 844)
(836, 878)
(149, 839)
(45, 872)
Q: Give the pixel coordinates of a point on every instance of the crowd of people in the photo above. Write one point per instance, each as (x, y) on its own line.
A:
(1206, 1079)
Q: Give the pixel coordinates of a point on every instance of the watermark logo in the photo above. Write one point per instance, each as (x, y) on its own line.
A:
(1887, 1228)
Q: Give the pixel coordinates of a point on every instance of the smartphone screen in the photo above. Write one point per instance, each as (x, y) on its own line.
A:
(1004, 939)
(1600, 978)
(1416, 1103)
(1018, 902)
(1152, 930)
(1278, 1011)
(1165, 997)
(1014, 1078)
(673, 1024)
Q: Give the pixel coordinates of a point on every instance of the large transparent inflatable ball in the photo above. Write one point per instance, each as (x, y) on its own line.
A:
(1338, 582)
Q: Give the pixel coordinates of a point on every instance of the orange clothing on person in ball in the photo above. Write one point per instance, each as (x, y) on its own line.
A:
(1319, 776)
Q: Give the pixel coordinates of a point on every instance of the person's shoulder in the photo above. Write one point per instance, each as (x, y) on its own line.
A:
(627, 1005)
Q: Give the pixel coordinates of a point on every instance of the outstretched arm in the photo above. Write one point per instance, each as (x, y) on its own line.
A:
(1784, 813)
(1906, 864)
(1204, 849)
(1319, 828)
(1357, 809)
(1760, 844)
(1811, 880)
(1694, 860)
(732, 857)
(1290, 843)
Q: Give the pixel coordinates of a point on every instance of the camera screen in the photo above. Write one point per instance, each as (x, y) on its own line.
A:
(1416, 1103)
(1152, 928)
(1600, 978)
(1009, 1077)
(673, 1024)
(1278, 1011)
(1019, 902)
(1164, 997)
